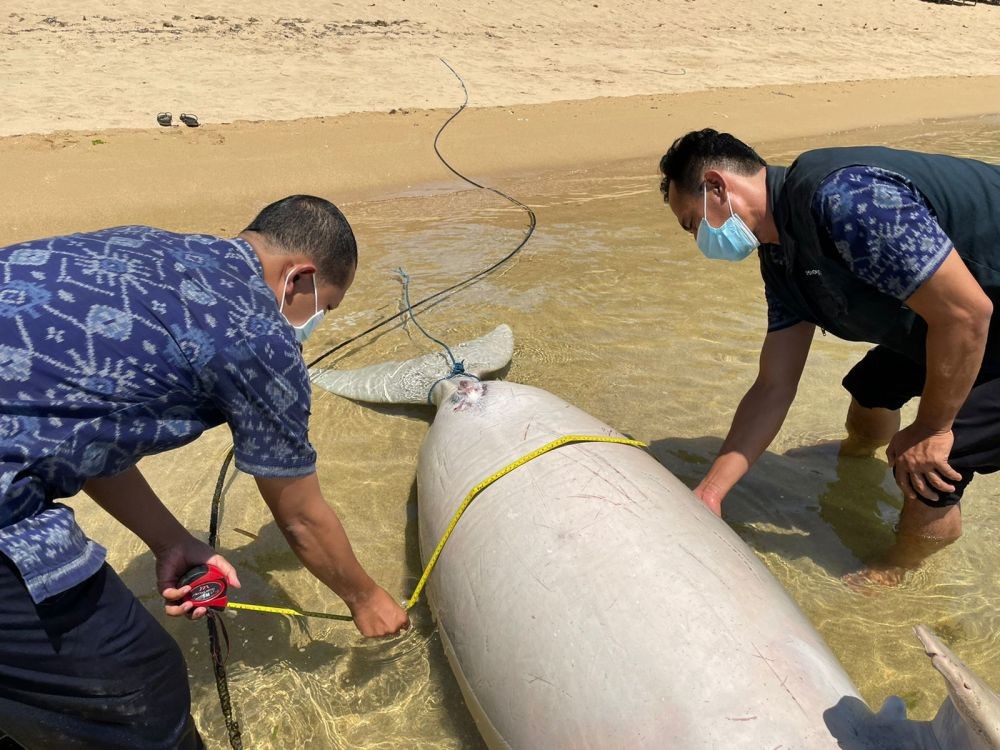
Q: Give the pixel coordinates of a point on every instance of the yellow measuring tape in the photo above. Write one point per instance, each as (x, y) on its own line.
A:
(558, 443)
(286, 611)
(494, 477)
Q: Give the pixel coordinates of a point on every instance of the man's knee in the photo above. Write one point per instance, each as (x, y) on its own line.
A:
(153, 676)
(884, 381)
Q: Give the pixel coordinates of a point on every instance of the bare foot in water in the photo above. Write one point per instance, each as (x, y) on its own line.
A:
(868, 580)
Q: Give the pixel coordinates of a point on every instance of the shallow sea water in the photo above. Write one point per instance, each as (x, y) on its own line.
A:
(614, 310)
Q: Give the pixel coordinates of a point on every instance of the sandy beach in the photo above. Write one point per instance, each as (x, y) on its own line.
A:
(86, 65)
(343, 99)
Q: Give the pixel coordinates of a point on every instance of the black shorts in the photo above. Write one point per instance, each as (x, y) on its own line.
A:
(89, 669)
(887, 380)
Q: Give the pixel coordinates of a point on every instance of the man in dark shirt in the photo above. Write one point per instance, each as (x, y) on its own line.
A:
(126, 342)
(896, 248)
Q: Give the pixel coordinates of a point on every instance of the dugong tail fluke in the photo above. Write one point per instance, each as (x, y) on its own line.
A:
(970, 715)
(411, 382)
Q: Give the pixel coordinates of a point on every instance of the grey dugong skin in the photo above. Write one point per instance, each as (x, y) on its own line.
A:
(588, 599)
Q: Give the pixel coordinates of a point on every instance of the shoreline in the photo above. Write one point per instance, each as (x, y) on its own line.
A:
(213, 177)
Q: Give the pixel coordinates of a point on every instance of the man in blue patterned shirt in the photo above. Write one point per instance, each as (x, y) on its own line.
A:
(126, 342)
(897, 248)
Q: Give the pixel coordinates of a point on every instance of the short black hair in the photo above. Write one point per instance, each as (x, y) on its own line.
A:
(312, 226)
(686, 160)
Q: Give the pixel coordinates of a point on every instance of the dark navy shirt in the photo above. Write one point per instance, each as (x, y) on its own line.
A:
(880, 226)
(122, 343)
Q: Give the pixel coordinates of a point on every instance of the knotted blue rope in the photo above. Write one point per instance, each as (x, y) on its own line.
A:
(456, 370)
(457, 367)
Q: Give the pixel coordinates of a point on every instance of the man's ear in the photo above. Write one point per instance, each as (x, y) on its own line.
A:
(716, 182)
(301, 279)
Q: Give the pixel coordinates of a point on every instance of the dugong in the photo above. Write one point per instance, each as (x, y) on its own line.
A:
(587, 599)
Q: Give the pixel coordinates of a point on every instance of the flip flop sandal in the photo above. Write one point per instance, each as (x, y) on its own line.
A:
(190, 120)
(165, 119)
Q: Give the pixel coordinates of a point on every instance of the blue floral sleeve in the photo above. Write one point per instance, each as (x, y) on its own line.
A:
(882, 227)
(262, 387)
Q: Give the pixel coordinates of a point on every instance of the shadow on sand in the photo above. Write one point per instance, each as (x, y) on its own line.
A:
(839, 511)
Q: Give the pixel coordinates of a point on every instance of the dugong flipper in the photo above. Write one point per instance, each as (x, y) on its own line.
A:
(410, 382)
(970, 716)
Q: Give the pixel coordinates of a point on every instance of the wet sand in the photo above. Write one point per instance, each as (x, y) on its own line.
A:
(215, 177)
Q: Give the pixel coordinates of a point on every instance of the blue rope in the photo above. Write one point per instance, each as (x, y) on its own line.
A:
(464, 283)
(430, 391)
(457, 367)
(409, 309)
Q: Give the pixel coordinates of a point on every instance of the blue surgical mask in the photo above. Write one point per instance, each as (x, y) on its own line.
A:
(731, 241)
(303, 331)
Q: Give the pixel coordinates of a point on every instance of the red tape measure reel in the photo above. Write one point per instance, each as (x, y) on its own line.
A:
(208, 587)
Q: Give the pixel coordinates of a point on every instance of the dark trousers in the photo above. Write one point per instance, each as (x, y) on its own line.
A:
(887, 380)
(89, 669)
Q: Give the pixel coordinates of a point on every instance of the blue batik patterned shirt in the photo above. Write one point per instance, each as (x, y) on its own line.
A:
(880, 226)
(122, 343)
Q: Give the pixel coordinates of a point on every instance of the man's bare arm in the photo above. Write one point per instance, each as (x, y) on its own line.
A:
(761, 412)
(129, 498)
(316, 535)
(957, 312)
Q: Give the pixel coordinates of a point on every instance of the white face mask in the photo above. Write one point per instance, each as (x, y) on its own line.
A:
(304, 330)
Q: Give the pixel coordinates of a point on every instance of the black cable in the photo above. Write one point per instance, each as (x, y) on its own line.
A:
(214, 642)
(213, 524)
(221, 683)
(532, 223)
